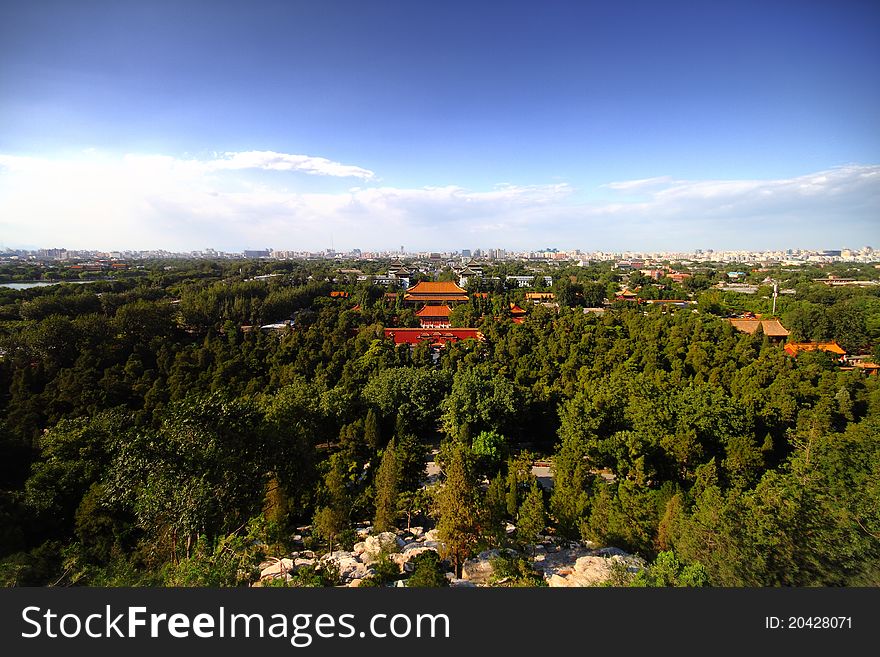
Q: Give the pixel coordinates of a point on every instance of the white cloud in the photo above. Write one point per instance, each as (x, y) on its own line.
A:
(158, 201)
(642, 183)
(272, 161)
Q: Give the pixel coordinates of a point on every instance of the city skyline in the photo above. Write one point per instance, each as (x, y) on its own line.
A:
(863, 254)
(306, 127)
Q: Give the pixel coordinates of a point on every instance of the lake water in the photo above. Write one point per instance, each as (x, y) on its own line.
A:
(26, 286)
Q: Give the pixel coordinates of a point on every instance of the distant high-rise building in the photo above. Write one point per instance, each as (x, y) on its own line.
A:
(465, 253)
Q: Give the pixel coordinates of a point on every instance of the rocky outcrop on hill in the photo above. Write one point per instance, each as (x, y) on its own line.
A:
(561, 563)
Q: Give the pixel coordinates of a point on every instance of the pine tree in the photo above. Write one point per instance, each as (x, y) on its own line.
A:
(372, 433)
(333, 518)
(531, 520)
(458, 527)
(387, 490)
(494, 510)
(512, 496)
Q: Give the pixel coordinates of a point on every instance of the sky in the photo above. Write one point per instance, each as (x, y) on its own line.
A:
(613, 126)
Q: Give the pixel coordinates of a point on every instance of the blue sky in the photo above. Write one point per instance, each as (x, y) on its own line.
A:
(292, 125)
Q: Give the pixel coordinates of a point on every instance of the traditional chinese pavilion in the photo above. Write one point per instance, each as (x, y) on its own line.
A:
(794, 348)
(517, 314)
(772, 328)
(433, 316)
(433, 337)
(435, 293)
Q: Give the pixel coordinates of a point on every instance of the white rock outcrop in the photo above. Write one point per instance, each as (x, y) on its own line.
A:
(387, 542)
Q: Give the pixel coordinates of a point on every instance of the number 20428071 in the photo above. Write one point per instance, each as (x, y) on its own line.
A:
(808, 622)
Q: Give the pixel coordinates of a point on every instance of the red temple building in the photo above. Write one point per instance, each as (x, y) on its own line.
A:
(517, 314)
(434, 293)
(433, 337)
(433, 316)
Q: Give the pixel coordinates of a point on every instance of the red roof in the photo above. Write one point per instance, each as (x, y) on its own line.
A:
(339, 294)
(794, 348)
(431, 336)
(771, 327)
(516, 310)
(436, 287)
(434, 311)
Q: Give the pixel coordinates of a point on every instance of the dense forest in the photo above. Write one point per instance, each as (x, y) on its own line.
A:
(152, 433)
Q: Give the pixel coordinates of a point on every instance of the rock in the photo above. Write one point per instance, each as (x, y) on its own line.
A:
(276, 568)
(559, 562)
(404, 559)
(359, 548)
(557, 581)
(297, 538)
(417, 531)
(461, 584)
(590, 569)
(431, 535)
(363, 532)
(355, 583)
(300, 561)
(479, 570)
(348, 564)
(611, 552)
(509, 529)
(386, 542)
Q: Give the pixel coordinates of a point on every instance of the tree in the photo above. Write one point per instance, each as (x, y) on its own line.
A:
(480, 400)
(411, 455)
(332, 518)
(463, 315)
(203, 472)
(386, 495)
(328, 523)
(490, 448)
(412, 394)
(519, 474)
(495, 510)
(667, 570)
(711, 303)
(372, 432)
(458, 524)
(594, 295)
(531, 520)
(427, 571)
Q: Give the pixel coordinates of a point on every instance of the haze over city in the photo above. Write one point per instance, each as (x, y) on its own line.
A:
(632, 126)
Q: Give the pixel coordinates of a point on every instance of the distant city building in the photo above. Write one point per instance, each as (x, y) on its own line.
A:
(263, 253)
